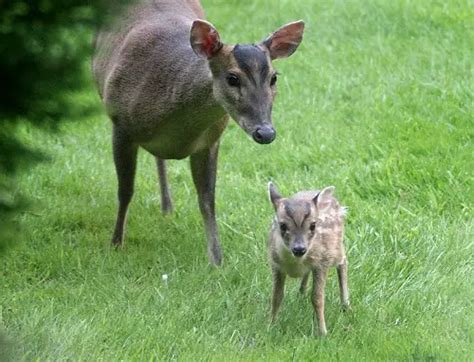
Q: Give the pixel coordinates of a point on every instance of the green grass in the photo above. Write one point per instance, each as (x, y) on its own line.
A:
(377, 101)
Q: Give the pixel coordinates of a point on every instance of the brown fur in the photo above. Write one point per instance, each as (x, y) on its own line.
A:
(291, 232)
(163, 76)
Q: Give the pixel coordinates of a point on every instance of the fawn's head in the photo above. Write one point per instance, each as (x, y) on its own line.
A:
(297, 217)
(244, 80)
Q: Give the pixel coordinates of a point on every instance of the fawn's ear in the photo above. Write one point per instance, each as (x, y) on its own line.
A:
(205, 39)
(323, 199)
(283, 42)
(274, 195)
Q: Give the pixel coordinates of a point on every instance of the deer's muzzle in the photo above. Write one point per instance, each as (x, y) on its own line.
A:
(264, 134)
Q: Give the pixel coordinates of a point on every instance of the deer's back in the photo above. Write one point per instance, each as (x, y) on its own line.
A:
(142, 61)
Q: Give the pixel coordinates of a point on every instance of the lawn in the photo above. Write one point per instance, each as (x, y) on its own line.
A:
(377, 101)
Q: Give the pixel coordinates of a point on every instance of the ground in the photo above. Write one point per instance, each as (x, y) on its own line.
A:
(377, 101)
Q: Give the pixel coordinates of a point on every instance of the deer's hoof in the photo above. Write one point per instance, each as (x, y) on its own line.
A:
(215, 255)
(167, 208)
(117, 243)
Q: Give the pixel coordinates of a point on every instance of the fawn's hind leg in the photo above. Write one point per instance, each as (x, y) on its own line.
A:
(344, 290)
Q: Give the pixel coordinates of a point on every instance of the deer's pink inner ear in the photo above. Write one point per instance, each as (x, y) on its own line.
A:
(210, 44)
(205, 39)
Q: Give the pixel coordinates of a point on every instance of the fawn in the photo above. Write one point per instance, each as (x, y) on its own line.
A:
(306, 237)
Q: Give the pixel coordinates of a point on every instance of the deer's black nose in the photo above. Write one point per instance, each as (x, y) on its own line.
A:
(298, 250)
(264, 134)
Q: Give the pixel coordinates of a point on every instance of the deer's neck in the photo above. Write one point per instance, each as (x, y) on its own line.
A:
(192, 85)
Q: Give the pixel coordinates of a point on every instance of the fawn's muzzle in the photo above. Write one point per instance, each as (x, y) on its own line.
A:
(298, 250)
(264, 135)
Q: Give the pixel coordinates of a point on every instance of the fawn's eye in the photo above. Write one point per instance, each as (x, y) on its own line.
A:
(283, 228)
(233, 80)
(273, 80)
(312, 226)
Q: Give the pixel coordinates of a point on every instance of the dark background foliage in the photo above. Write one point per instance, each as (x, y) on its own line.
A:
(45, 47)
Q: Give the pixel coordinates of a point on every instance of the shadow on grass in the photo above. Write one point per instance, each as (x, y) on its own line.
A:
(5, 348)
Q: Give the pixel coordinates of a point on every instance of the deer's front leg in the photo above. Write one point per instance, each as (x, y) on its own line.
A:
(125, 158)
(203, 168)
(278, 291)
(319, 283)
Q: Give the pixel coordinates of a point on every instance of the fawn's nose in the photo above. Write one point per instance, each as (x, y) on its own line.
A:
(298, 250)
(264, 134)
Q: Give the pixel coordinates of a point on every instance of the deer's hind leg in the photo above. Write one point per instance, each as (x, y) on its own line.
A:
(166, 202)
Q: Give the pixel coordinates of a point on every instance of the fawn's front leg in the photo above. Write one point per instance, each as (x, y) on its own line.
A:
(278, 290)
(319, 283)
(304, 282)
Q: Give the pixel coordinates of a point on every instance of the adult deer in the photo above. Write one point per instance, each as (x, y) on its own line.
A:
(169, 86)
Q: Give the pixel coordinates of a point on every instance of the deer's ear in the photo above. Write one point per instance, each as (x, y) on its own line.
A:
(274, 195)
(323, 199)
(205, 39)
(283, 42)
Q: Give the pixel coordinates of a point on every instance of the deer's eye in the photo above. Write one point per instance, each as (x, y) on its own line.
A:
(283, 228)
(273, 80)
(312, 226)
(233, 80)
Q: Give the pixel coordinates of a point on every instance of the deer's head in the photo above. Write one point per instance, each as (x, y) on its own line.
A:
(244, 79)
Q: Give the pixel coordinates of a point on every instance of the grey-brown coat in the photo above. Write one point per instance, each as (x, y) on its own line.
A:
(169, 85)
